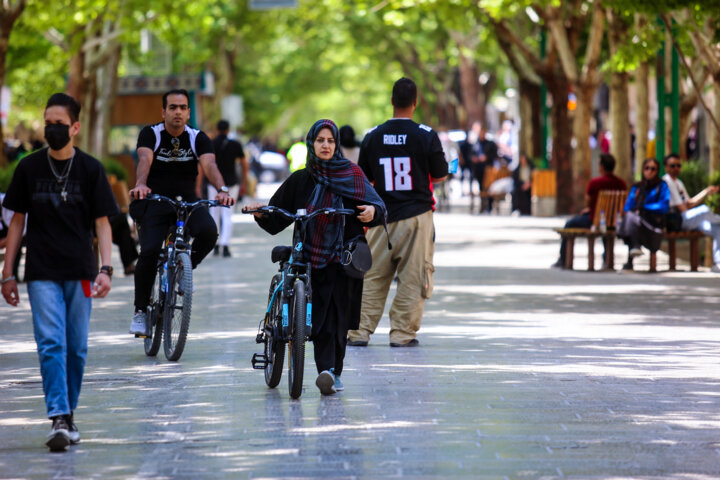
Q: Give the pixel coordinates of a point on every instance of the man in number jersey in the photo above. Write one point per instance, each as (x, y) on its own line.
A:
(402, 158)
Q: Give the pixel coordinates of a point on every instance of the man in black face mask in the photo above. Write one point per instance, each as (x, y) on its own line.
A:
(65, 195)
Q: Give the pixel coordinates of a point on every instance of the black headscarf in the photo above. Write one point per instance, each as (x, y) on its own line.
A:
(335, 178)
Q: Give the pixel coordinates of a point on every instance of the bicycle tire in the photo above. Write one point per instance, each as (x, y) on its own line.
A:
(296, 347)
(178, 307)
(154, 318)
(274, 347)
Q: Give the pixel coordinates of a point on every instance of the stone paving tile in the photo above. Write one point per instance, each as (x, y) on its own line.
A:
(523, 373)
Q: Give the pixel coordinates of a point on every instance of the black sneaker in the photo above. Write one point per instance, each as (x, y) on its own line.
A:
(356, 343)
(216, 251)
(72, 428)
(226, 252)
(59, 437)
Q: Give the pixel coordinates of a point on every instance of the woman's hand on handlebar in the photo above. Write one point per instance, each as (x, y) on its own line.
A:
(367, 213)
(140, 191)
(254, 206)
(225, 199)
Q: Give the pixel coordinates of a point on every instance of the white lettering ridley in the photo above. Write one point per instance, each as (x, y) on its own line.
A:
(394, 139)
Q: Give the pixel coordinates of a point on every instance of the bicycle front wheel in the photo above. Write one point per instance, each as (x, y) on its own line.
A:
(296, 364)
(274, 346)
(154, 318)
(178, 305)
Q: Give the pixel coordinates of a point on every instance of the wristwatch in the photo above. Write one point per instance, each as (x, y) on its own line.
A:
(224, 189)
(107, 270)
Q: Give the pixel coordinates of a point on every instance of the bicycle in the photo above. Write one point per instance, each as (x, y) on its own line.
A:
(288, 317)
(171, 296)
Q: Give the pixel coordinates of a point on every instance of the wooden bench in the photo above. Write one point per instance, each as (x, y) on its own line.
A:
(671, 237)
(611, 203)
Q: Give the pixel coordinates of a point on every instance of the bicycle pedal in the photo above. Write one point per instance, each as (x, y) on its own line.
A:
(259, 361)
(137, 335)
(259, 338)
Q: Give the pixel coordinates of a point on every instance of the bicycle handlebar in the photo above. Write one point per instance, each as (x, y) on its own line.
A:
(300, 216)
(181, 203)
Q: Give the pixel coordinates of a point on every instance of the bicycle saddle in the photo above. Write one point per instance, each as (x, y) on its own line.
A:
(281, 254)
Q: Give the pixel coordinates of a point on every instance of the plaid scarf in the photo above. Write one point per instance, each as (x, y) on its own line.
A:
(335, 178)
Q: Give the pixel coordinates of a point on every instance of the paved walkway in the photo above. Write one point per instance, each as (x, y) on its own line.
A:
(523, 372)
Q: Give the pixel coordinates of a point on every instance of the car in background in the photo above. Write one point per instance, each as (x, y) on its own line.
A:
(271, 167)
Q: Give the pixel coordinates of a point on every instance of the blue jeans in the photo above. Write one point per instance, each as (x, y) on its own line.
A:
(701, 218)
(61, 319)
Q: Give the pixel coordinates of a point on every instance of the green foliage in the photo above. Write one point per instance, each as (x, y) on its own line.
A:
(713, 201)
(114, 167)
(6, 174)
(694, 176)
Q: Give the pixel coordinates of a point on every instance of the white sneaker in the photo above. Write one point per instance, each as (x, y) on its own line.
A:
(73, 431)
(59, 437)
(635, 252)
(137, 327)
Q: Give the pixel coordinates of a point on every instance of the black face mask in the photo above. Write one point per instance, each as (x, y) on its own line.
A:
(57, 135)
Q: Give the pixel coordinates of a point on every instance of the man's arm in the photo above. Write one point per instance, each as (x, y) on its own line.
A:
(104, 235)
(14, 238)
(145, 159)
(700, 197)
(209, 167)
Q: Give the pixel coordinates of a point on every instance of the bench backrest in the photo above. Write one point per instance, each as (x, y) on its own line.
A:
(612, 203)
(544, 183)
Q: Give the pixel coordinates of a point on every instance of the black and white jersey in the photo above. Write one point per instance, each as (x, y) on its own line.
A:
(400, 156)
(175, 159)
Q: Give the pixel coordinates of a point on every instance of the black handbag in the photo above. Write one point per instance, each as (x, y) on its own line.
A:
(356, 257)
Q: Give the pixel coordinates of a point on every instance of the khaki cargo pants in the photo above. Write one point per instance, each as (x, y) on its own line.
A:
(411, 260)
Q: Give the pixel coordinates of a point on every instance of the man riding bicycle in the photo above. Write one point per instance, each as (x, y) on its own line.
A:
(170, 154)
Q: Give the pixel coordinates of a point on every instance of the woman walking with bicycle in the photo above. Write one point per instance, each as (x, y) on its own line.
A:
(328, 181)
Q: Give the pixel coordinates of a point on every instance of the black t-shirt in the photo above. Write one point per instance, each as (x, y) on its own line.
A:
(400, 156)
(174, 169)
(226, 152)
(60, 233)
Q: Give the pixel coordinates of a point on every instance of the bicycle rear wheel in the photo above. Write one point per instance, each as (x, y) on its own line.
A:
(178, 306)
(154, 318)
(296, 364)
(274, 346)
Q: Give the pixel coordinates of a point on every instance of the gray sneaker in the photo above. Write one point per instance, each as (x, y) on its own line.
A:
(339, 387)
(326, 383)
(59, 437)
(137, 327)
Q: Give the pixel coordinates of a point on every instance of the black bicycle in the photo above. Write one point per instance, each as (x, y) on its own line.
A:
(168, 314)
(288, 318)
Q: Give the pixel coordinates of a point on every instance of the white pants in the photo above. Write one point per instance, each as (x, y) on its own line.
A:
(701, 218)
(223, 215)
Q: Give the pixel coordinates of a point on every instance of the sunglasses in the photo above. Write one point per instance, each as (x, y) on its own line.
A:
(674, 165)
(650, 169)
(176, 147)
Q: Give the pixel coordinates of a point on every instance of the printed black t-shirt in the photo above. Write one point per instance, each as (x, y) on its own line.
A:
(400, 156)
(174, 168)
(60, 233)
(227, 151)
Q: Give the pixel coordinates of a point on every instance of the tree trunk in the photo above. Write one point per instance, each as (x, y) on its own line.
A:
(530, 137)
(619, 125)
(76, 77)
(561, 159)
(108, 95)
(642, 116)
(471, 90)
(8, 15)
(714, 134)
(581, 157)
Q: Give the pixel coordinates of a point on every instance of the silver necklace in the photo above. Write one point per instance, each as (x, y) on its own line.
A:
(61, 177)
